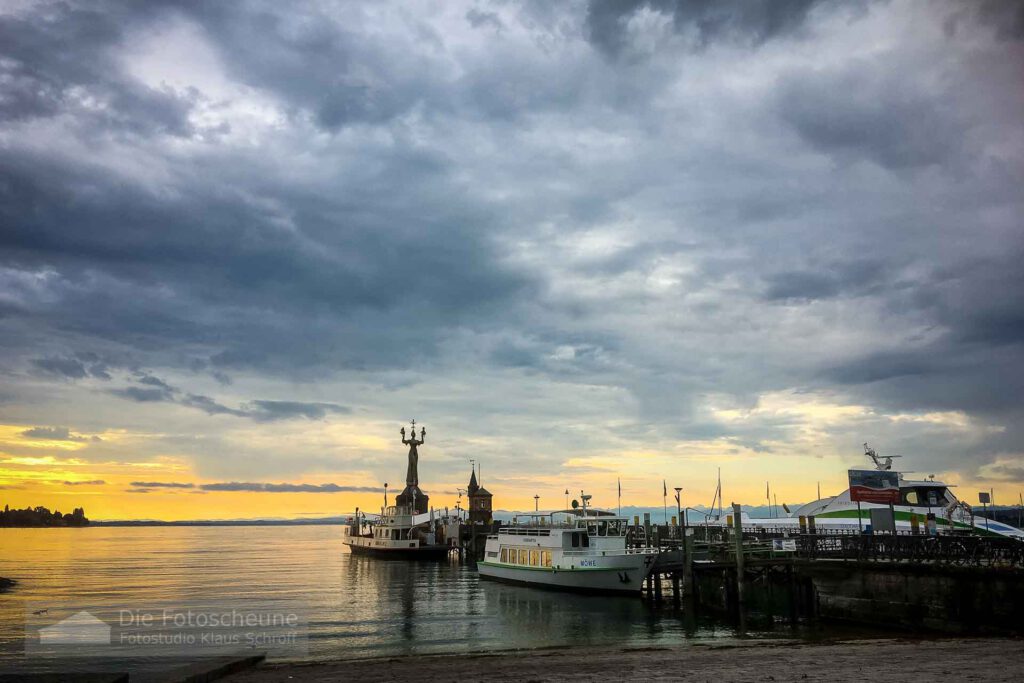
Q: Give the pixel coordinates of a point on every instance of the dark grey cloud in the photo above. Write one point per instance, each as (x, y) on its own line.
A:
(55, 433)
(156, 390)
(209, 406)
(94, 482)
(1009, 473)
(848, 278)
(161, 485)
(83, 77)
(150, 380)
(80, 367)
(854, 114)
(287, 488)
(750, 22)
(61, 367)
(612, 214)
(1005, 16)
(144, 395)
(268, 411)
(479, 18)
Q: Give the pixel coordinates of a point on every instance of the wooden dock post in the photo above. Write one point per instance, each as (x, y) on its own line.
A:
(687, 563)
(738, 525)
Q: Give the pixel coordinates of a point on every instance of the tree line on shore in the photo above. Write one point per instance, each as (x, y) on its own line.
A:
(41, 516)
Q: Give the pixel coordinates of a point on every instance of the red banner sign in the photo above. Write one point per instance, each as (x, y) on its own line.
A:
(875, 486)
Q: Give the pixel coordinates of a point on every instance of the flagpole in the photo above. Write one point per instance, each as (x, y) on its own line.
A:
(719, 493)
(664, 499)
(619, 479)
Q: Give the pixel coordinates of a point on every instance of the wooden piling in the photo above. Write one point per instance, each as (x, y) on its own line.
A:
(738, 525)
(688, 563)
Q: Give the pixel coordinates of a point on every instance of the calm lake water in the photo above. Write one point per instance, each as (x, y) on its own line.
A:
(354, 607)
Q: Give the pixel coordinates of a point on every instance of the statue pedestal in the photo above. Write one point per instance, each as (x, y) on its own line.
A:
(412, 496)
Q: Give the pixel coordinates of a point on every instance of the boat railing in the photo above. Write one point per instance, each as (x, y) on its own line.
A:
(592, 552)
(525, 531)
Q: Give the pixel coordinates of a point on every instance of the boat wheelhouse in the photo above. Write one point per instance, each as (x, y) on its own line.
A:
(586, 553)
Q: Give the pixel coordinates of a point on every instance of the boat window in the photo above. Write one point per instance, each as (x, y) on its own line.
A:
(911, 498)
(504, 554)
(522, 556)
(575, 540)
(592, 528)
(933, 497)
(545, 558)
(602, 529)
(585, 541)
(534, 558)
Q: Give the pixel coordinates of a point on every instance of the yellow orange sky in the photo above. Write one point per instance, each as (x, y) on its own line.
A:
(54, 473)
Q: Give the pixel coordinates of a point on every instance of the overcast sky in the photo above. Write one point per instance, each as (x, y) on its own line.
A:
(245, 242)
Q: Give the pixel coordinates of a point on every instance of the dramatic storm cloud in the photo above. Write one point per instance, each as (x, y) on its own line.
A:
(245, 241)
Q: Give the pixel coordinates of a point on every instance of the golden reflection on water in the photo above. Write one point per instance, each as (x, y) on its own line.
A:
(355, 606)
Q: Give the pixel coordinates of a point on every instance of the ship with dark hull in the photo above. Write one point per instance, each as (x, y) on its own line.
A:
(407, 530)
(399, 534)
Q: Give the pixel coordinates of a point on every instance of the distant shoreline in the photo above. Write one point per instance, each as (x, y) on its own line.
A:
(196, 522)
(219, 522)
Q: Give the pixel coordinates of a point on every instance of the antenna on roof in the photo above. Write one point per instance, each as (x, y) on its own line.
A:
(882, 462)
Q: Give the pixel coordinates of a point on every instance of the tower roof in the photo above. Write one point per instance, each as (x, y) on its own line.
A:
(473, 485)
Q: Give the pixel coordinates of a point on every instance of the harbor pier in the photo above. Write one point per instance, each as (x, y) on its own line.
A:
(949, 583)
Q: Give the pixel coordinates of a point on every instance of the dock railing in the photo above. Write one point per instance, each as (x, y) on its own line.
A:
(960, 550)
(717, 545)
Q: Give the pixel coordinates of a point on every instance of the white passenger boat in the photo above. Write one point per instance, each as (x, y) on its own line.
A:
(399, 534)
(407, 530)
(587, 553)
(917, 499)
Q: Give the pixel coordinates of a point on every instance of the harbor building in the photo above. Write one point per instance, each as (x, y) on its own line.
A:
(480, 501)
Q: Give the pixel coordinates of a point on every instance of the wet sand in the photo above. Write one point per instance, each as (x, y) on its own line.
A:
(989, 659)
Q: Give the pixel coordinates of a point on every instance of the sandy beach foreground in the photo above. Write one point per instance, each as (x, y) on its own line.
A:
(989, 659)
